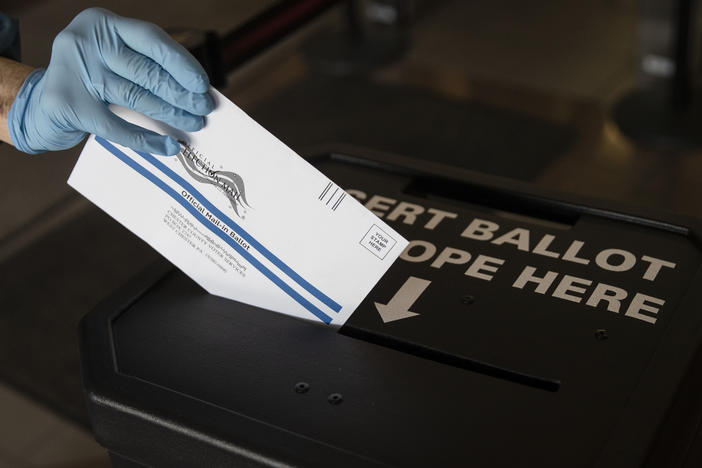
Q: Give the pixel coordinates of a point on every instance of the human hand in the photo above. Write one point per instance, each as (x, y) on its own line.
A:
(100, 59)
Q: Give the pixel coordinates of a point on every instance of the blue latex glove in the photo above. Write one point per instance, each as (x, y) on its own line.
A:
(102, 58)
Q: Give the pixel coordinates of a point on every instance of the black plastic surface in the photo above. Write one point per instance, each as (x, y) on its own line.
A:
(176, 377)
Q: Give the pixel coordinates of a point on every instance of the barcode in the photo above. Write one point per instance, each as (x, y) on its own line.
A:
(332, 196)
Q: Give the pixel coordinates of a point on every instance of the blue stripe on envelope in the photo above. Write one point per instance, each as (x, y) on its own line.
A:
(192, 210)
(239, 230)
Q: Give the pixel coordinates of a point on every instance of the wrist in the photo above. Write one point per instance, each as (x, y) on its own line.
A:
(12, 76)
(17, 117)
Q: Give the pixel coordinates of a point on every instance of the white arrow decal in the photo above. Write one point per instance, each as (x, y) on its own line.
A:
(398, 307)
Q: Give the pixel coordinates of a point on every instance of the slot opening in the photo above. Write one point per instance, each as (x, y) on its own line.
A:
(461, 362)
(516, 206)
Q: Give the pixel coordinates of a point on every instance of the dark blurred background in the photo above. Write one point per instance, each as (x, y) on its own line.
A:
(592, 97)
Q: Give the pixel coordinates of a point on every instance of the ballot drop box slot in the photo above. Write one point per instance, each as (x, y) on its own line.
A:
(519, 328)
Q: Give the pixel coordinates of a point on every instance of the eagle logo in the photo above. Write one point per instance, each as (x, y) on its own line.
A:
(229, 183)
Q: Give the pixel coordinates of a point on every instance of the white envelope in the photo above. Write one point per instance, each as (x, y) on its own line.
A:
(243, 215)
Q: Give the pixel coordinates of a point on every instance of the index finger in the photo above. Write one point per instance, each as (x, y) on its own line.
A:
(153, 42)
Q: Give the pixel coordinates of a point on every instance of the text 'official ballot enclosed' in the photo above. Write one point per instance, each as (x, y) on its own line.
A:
(243, 215)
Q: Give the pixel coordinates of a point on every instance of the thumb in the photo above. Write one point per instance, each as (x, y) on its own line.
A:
(118, 130)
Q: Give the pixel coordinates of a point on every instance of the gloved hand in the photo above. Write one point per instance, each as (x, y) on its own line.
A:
(102, 58)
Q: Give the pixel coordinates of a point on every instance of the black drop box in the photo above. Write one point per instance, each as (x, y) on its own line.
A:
(531, 329)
